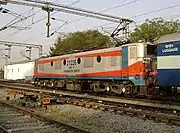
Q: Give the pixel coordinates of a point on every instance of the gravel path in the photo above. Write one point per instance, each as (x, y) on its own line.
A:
(97, 121)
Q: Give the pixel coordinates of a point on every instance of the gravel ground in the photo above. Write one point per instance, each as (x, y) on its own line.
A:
(97, 121)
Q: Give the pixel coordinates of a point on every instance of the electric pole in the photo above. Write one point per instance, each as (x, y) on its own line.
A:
(48, 9)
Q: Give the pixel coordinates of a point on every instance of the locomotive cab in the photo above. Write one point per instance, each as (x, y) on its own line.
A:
(150, 59)
(150, 63)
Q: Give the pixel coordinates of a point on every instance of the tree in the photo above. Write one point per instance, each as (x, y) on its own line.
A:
(153, 29)
(79, 41)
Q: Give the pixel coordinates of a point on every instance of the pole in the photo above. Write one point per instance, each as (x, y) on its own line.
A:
(9, 51)
(30, 53)
(40, 51)
(48, 23)
(48, 9)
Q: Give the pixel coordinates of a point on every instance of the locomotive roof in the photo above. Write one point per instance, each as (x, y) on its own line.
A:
(89, 52)
(174, 37)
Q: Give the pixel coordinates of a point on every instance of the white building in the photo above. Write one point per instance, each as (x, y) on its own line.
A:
(19, 70)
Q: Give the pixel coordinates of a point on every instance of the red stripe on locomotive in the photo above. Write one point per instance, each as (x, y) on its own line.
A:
(104, 54)
(132, 70)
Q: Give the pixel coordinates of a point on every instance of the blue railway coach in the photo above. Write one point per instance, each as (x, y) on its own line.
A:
(168, 62)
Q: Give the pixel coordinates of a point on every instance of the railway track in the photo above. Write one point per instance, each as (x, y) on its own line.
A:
(167, 100)
(17, 120)
(163, 106)
(146, 109)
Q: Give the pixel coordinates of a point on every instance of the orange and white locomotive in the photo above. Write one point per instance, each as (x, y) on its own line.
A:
(124, 70)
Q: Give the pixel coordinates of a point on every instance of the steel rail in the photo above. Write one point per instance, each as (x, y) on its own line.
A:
(132, 108)
(43, 118)
(120, 101)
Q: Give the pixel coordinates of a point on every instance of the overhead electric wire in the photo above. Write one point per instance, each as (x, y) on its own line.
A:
(156, 11)
(140, 22)
(147, 13)
(46, 16)
(77, 1)
(41, 19)
(4, 10)
(111, 8)
(68, 9)
(15, 33)
(52, 14)
(9, 24)
(83, 9)
(88, 11)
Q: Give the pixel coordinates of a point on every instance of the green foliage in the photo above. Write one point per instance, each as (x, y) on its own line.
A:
(79, 41)
(153, 29)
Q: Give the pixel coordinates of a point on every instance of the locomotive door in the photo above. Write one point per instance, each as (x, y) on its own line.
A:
(125, 70)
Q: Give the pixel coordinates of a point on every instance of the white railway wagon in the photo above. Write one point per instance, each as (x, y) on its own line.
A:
(22, 70)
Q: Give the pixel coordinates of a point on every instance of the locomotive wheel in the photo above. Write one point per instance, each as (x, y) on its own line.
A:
(96, 88)
(128, 89)
(118, 89)
(45, 84)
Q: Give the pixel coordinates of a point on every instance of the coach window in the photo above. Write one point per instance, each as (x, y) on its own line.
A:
(79, 60)
(51, 63)
(18, 69)
(98, 58)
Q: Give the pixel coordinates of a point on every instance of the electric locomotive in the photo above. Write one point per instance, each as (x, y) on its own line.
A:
(127, 69)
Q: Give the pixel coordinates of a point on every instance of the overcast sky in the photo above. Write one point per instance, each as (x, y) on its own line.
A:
(36, 33)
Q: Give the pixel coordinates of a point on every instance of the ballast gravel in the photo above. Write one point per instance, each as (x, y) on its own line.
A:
(97, 121)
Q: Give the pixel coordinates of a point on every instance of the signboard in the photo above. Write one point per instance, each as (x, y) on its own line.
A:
(169, 48)
(46, 100)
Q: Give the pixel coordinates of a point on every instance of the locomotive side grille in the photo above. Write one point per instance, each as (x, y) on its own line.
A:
(113, 61)
(58, 64)
(88, 62)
